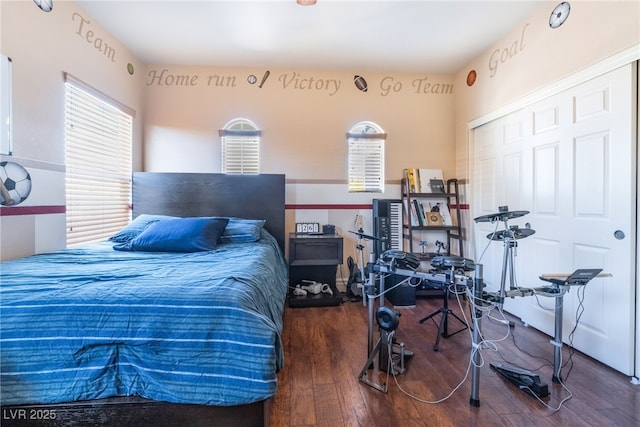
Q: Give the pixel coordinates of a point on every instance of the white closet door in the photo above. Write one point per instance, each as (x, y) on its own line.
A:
(570, 160)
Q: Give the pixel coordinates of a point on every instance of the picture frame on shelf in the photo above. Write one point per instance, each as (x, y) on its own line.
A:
(434, 218)
(437, 186)
(426, 175)
(440, 205)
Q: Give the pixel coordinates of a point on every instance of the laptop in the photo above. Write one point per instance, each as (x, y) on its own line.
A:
(581, 276)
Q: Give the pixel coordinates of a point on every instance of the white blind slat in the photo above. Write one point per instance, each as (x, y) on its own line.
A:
(366, 165)
(98, 145)
(240, 147)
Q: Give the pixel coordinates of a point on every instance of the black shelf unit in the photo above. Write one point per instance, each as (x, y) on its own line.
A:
(453, 232)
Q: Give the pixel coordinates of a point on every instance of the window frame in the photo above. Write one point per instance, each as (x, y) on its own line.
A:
(240, 142)
(98, 162)
(366, 158)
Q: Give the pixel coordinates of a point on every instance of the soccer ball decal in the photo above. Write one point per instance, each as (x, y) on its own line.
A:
(15, 184)
(45, 5)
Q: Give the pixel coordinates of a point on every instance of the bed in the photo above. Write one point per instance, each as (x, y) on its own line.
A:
(126, 331)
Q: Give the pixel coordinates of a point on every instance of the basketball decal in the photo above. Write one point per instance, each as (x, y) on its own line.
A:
(471, 78)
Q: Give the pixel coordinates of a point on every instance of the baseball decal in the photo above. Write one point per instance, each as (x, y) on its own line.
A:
(264, 78)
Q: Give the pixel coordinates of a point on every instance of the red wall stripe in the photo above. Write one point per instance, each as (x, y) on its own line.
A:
(32, 210)
(462, 206)
(44, 210)
(324, 206)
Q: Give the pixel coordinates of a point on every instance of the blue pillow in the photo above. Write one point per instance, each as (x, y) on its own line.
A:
(240, 230)
(135, 227)
(177, 235)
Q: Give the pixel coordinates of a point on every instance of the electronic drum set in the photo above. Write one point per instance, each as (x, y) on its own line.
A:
(447, 272)
(455, 272)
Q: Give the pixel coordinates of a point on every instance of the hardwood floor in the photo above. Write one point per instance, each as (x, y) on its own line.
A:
(326, 348)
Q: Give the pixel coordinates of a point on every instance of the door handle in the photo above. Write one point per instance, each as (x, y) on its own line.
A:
(619, 234)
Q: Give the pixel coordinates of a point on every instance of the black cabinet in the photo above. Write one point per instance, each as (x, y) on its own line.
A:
(314, 258)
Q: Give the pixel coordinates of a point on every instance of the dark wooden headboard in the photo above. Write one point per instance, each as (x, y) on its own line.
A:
(213, 194)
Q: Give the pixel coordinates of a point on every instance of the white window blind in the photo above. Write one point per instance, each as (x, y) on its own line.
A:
(98, 144)
(366, 158)
(240, 147)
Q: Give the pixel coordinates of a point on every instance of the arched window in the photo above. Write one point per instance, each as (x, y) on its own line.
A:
(240, 147)
(366, 158)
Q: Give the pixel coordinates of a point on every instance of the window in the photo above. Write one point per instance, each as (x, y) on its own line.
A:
(98, 142)
(5, 105)
(366, 158)
(240, 147)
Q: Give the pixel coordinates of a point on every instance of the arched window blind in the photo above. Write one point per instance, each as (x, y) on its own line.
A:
(240, 147)
(366, 158)
(98, 144)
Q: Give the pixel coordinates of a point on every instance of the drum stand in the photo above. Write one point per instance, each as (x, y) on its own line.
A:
(476, 337)
(526, 380)
(445, 312)
(389, 361)
(360, 249)
(368, 285)
(508, 255)
(509, 237)
(391, 355)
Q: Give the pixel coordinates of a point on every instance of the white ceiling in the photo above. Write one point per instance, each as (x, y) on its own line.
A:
(394, 35)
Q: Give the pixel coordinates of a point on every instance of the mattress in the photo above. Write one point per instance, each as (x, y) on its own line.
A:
(91, 322)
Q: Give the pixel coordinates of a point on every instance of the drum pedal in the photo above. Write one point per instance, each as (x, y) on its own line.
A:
(526, 381)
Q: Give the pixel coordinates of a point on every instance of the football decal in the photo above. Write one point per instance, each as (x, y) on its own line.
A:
(360, 83)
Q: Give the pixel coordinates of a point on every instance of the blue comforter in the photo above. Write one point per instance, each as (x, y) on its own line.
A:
(92, 322)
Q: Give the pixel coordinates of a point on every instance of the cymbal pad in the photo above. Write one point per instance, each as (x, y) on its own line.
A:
(513, 233)
(500, 216)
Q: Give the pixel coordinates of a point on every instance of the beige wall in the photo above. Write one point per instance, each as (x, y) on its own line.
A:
(535, 60)
(304, 116)
(303, 129)
(534, 56)
(42, 46)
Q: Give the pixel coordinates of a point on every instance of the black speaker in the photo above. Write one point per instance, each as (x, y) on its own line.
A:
(403, 295)
(328, 229)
